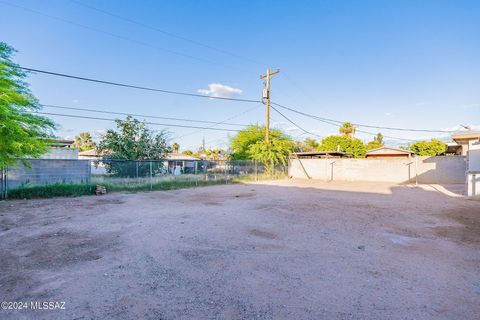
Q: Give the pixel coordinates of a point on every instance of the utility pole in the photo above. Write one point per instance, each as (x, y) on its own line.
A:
(266, 96)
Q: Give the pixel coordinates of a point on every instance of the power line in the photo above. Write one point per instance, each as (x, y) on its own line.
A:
(336, 123)
(217, 123)
(116, 35)
(135, 86)
(151, 123)
(361, 125)
(136, 115)
(170, 34)
(296, 125)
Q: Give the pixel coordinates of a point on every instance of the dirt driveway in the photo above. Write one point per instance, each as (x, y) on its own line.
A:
(279, 250)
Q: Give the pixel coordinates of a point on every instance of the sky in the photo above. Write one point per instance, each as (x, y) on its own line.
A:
(407, 64)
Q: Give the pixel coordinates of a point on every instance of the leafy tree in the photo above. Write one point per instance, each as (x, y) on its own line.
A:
(250, 143)
(271, 154)
(214, 154)
(175, 147)
(379, 138)
(377, 142)
(133, 140)
(344, 144)
(83, 141)
(240, 143)
(434, 147)
(188, 152)
(309, 144)
(23, 134)
(347, 129)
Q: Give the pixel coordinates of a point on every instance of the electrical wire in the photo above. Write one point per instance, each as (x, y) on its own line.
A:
(170, 34)
(135, 86)
(359, 124)
(296, 125)
(137, 115)
(146, 122)
(221, 122)
(111, 34)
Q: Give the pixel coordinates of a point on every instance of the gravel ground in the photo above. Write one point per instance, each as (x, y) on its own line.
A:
(273, 250)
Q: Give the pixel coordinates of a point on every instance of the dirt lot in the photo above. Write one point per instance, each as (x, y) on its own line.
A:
(288, 249)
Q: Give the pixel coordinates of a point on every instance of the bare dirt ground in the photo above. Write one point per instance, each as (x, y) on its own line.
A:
(277, 250)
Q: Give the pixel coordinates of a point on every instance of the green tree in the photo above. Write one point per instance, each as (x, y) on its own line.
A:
(434, 147)
(273, 153)
(188, 152)
(309, 144)
(240, 143)
(23, 133)
(133, 140)
(83, 141)
(175, 147)
(343, 144)
(377, 142)
(347, 129)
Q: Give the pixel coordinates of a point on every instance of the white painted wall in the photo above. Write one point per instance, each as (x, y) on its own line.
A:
(430, 169)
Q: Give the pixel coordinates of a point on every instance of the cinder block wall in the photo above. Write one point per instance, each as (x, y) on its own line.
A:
(430, 169)
(48, 172)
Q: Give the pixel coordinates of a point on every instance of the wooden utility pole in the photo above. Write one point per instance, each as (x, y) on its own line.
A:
(266, 96)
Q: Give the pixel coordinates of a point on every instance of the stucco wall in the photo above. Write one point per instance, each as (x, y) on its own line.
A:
(430, 169)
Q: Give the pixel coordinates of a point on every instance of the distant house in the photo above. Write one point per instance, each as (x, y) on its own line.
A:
(61, 149)
(181, 163)
(462, 143)
(388, 153)
(91, 154)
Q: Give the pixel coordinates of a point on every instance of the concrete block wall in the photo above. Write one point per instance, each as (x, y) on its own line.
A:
(48, 172)
(430, 169)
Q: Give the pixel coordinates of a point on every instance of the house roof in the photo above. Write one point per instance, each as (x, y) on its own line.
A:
(61, 143)
(180, 157)
(466, 136)
(389, 151)
(92, 153)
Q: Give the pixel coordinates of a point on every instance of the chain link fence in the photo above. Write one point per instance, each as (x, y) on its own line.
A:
(50, 177)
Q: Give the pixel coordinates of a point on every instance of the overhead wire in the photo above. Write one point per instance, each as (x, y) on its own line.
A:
(136, 86)
(146, 122)
(137, 115)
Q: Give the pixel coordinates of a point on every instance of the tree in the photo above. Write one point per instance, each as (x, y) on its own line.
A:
(347, 129)
(188, 152)
(250, 143)
(83, 141)
(377, 142)
(271, 154)
(434, 147)
(23, 134)
(309, 144)
(133, 140)
(175, 147)
(240, 143)
(343, 144)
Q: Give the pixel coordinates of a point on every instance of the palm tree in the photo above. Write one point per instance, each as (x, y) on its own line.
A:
(175, 147)
(347, 129)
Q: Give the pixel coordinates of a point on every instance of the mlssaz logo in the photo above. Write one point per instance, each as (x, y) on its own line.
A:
(47, 305)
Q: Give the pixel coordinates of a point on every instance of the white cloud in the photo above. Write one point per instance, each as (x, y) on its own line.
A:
(388, 114)
(219, 90)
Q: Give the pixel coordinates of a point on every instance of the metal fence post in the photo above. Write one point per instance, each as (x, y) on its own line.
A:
(225, 171)
(151, 182)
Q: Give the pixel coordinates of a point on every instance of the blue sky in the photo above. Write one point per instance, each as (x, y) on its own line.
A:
(403, 63)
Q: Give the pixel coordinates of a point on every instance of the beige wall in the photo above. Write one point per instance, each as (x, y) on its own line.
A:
(430, 169)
